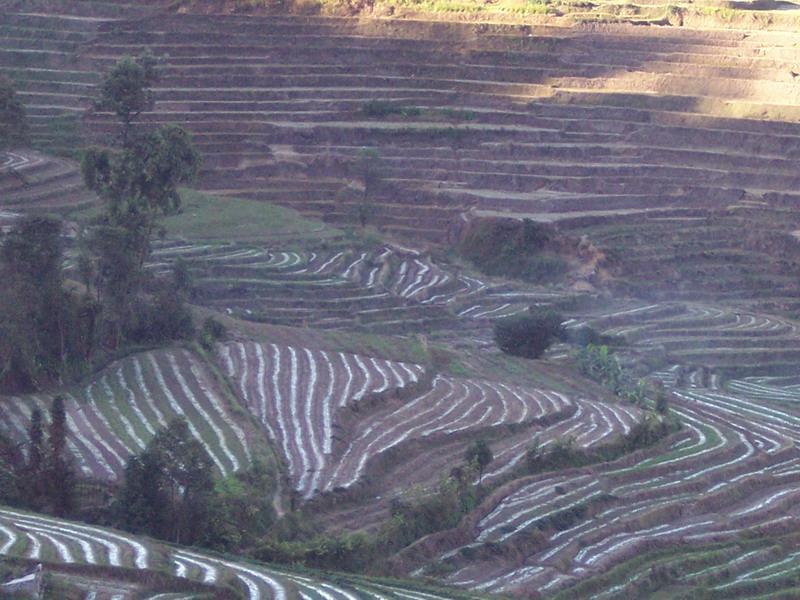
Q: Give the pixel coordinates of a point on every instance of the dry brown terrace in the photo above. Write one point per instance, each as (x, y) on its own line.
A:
(653, 130)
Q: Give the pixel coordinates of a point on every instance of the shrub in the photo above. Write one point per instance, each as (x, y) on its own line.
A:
(528, 334)
(384, 108)
(513, 248)
(13, 121)
(211, 332)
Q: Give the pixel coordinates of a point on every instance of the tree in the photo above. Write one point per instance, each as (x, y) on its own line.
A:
(529, 334)
(169, 487)
(126, 90)
(12, 463)
(60, 473)
(479, 453)
(13, 120)
(369, 173)
(139, 183)
(662, 402)
(34, 469)
(40, 337)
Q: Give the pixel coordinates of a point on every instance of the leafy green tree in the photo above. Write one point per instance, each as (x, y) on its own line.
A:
(12, 490)
(34, 475)
(41, 338)
(139, 183)
(13, 120)
(126, 90)
(211, 333)
(528, 334)
(169, 487)
(662, 402)
(241, 511)
(369, 170)
(480, 454)
(60, 473)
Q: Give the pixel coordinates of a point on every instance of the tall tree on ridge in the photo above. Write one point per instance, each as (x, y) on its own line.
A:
(60, 474)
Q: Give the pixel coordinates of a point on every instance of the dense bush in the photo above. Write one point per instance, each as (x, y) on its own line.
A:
(211, 332)
(170, 493)
(13, 121)
(600, 364)
(513, 248)
(45, 330)
(528, 334)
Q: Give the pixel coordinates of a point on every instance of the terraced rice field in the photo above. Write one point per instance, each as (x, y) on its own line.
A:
(334, 414)
(621, 113)
(47, 539)
(392, 290)
(728, 477)
(731, 472)
(118, 413)
(34, 182)
(673, 150)
(700, 343)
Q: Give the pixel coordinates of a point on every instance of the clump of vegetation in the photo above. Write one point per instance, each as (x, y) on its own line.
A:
(528, 334)
(564, 454)
(139, 183)
(169, 489)
(45, 480)
(601, 365)
(368, 170)
(384, 108)
(480, 455)
(13, 120)
(212, 332)
(512, 248)
(419, 513)
(45, 329)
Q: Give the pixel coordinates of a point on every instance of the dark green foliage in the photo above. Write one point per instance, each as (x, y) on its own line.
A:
(43, 334)
(600, 364)
(170, 493)
(563, 454)
(161, 318)
(139, 183)
(13, 121)
(59, 470)
(369, 172)
(347, 552)
(212, 332)
(417, 517)
(384, 108)
(34, 473)
(295, 540)
(241, 511)
(480, 454)
(168, 488)
(662, 403)
(12, 477)
(46, 482)
(512, 248)
(528, 334)
(126, 90)
(182, 278)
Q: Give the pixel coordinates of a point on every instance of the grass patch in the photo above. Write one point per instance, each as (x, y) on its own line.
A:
(206, 217)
